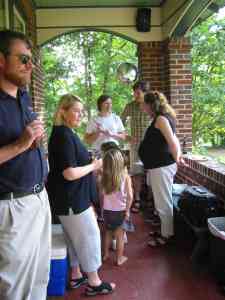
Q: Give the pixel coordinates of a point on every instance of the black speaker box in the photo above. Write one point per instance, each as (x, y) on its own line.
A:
(143, 19)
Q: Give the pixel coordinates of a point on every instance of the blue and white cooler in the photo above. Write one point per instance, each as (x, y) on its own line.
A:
(58, 268)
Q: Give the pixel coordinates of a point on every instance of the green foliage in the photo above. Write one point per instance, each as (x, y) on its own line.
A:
(208, 69)
(85, 64)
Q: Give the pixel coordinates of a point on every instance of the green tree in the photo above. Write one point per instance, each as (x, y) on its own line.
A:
(208, 69)
(85, 63)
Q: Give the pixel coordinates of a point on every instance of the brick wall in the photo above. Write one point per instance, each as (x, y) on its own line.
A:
(29, 12)
(167, 65)
(208, 173)
(37, 91)
(151, 63)
(179, 85)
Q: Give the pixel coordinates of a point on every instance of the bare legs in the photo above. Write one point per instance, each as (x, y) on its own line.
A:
(120, 258)
(75, 273)
(137, 185)
(118, 234)
(107, 243)
(93, 279)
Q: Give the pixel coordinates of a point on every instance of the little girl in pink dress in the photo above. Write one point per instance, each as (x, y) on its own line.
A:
(117, 200)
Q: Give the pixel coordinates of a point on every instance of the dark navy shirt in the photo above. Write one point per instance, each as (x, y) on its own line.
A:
(154, 151)
(22, 172)
(66, 150)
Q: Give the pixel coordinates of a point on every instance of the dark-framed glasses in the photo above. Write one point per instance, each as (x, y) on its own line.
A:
(23, 58)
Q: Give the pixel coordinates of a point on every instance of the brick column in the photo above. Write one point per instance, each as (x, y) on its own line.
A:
(28, 10)
(37, 87)
(151, 63)
(167, 65)
(178, 82)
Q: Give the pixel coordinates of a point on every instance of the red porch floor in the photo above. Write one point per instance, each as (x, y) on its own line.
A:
(154, 274)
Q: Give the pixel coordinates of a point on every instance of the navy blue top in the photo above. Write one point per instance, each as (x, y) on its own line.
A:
(66, 150)
(154, 151)
(22, 172)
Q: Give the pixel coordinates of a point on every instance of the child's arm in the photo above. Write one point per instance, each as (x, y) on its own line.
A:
(129, 192)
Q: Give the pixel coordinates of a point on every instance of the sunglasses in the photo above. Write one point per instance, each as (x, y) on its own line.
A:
(23, 58)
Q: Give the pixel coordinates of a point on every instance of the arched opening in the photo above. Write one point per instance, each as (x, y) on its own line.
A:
(85, 63)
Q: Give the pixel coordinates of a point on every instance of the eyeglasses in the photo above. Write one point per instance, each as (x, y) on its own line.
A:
(23, 58)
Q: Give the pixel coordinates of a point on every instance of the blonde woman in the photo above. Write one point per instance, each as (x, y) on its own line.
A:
(160, 153)
(117, 200)
(71, 191)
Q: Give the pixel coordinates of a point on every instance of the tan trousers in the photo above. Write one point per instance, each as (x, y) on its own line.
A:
(25, 236)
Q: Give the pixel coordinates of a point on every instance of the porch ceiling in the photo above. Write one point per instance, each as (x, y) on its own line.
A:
(169, 18)
(97, 3)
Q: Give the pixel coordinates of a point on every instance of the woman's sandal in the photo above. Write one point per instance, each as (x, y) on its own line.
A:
(155, 221)
(157, 240)
(135, 207)
(76, 283)
(103, 289)
(154, 233)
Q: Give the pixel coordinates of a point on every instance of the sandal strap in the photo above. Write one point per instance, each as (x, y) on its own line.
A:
(103, 288)
(154, 233)
(157, 240)
(134, 209)
(77, 282)
(152, 243)
(161, 240)
(137, 204)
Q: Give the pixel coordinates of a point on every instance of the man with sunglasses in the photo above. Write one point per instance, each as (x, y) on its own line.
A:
(24, 209)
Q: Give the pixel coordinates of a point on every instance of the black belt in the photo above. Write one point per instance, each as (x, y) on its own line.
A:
(36, 189)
